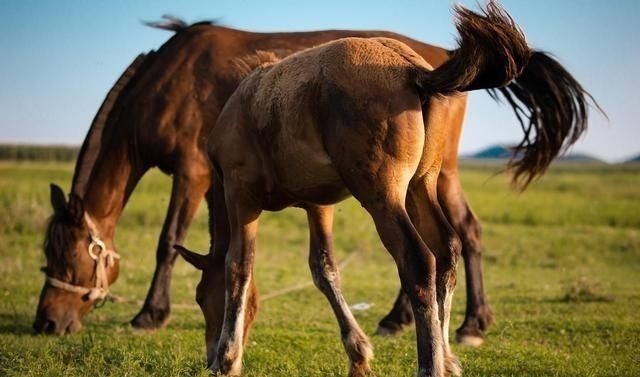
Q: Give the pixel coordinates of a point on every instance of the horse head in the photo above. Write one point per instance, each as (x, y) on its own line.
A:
(79, 267)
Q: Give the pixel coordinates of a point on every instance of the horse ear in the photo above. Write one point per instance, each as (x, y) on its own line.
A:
(76, 208)
(198, 261)
(58, 200)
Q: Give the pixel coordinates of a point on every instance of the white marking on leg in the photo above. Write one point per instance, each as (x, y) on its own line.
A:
(356, 343)
(448, 297)
(453, 364)
(233, 334)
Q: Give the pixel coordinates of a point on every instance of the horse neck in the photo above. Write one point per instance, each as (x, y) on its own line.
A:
(115, 173)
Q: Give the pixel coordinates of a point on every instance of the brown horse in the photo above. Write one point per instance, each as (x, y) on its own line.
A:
(157, 115)
(356, 116)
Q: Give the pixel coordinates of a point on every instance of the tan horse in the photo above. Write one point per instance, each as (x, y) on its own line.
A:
(160, 110)
(361, 117)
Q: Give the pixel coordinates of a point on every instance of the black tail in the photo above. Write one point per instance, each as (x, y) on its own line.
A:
(551, 107)
(492, 51)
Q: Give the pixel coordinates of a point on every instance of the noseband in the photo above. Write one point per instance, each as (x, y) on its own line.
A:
(105, 258)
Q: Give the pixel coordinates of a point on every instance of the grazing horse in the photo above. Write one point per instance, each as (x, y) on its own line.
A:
(366, 117)
(158, 114)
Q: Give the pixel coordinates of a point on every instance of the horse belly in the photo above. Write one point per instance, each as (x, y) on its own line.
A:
(307, 174)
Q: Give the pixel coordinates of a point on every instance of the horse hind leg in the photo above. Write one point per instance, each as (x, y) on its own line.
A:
(384, 198)
(427, 215)
(189, 186)
(478, 314)
(326, 277)
(417, 270)
(416, 263)
(400, 316)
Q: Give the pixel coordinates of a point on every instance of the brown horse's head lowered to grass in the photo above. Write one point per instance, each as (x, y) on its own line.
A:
(79, 267)
(366, 117)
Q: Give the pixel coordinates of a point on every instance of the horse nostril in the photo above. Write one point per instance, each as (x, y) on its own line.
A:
(49, 326)
(44, 326)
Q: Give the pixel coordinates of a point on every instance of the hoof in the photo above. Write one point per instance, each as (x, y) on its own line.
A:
(471, 333)
(150, 320)
(469, 340)
(360, 371)
(388, 329)
(227, 367)
(452, 366)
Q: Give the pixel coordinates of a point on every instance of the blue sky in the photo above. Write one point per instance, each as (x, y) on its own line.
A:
(59, 58)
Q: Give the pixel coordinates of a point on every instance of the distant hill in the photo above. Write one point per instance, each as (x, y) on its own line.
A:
(633, 160)
(580, 157)
(500, 152)
(493, 152)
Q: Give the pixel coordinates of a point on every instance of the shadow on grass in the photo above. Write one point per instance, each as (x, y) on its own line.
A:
(16, 324)
(109, 322)
(565, 299)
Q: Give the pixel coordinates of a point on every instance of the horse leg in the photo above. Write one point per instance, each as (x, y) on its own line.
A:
(401, 314)
(220, 232)
(327, 278)
(431, 224)
(381, 159)
(426, 213)
(451, 197)
(243, 223)
(189, 186)
(478, 314)
(417, 270)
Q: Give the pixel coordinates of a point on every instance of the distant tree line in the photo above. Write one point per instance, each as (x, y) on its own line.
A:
(24, 152)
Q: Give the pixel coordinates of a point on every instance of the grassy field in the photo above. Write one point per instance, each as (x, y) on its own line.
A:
(562, 272)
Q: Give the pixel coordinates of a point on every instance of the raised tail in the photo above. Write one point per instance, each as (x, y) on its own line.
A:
(492, 51)
(551, 106)
(493, 54)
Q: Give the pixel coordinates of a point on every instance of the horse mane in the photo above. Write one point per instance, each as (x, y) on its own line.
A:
(242, 66)
(98, 133)
(95, 139)
(176, 24)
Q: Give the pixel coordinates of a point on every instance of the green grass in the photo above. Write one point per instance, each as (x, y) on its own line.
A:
(562, 269)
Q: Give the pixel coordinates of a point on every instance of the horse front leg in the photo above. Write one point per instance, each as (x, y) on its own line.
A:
(220, 233)
(326, 277)
(187, 191)
(243, 222)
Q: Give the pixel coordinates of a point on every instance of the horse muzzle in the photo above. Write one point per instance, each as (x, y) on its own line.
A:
(46, 324)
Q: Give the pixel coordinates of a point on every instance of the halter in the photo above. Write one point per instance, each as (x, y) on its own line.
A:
(104, 258)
